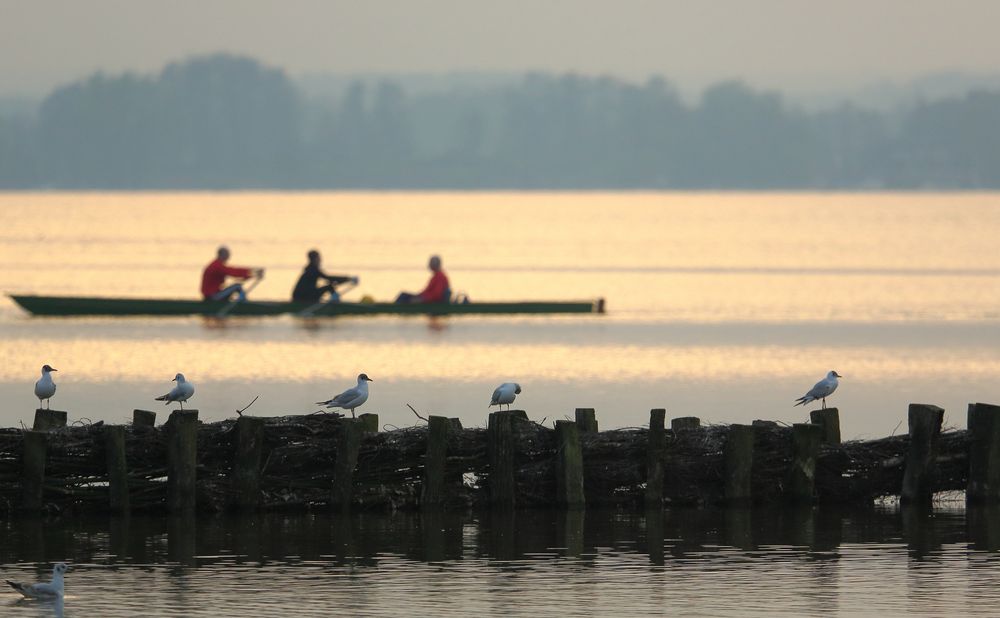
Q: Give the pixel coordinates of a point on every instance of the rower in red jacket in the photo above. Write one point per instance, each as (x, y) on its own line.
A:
(215, 275)
(438, 289)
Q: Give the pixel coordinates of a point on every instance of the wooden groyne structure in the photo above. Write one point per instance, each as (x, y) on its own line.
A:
(322, 461)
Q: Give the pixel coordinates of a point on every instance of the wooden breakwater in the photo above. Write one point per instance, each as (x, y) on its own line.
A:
(320, 462)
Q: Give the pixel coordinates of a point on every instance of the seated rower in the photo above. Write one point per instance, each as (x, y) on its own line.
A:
(214, 276)
(438, 289)
(308, 290)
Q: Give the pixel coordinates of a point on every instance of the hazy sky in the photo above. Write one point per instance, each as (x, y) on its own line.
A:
(790, 44)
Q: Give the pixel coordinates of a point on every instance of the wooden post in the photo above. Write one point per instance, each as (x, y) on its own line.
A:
(33, 481)
(586, 420)
(569, 465)
(685, 423)
(500, 451)
(984, 454)
(143, 418)
(738, 458)
(456, 424)
(348, 446)
(49, 419)
(114, 445)
(656, 446)
(829, 420)
(921, 467)
(246, 463)
(182, 460)
(806, 440)
(432, 492)
(369, 422)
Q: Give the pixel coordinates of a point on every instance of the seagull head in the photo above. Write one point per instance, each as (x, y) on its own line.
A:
(47, 369)
(60, 568)
(364, 378)
(833, 374)
(178, 378)
(517, 388)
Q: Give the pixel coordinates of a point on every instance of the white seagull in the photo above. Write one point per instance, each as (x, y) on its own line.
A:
(43, 590)
(180, 393)
(823, 389)
(352, 397)
(45, 387)
(505, 394)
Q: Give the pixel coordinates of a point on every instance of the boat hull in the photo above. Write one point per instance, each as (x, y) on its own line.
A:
(84, 305)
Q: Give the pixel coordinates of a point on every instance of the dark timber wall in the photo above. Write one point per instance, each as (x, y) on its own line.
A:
(322, 462)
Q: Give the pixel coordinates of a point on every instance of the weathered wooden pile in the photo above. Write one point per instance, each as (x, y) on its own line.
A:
(320, 461)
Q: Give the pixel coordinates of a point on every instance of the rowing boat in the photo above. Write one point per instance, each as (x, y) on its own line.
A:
(93, 305)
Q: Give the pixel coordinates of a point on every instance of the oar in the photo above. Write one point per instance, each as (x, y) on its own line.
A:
(334, 298)
(246, 292)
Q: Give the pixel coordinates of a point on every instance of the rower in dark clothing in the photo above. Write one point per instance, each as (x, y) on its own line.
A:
(308, 290)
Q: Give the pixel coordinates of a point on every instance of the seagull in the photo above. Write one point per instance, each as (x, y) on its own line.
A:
(45, 387)
(352, 397)
(180, 393)
(823, 389)
(43, 590)
(504, 394)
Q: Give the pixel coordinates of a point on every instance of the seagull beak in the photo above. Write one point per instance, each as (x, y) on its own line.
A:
(50, 369)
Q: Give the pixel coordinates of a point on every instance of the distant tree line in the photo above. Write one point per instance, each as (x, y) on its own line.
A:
(225, 122)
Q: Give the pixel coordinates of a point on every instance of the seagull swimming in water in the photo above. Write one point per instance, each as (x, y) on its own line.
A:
(505, 394)
(352, 397)
(180, 393)
(43, 590)
(823, 389)
(45, 387)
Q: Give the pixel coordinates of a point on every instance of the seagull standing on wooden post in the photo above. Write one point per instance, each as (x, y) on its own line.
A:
(821, 390)
(352, 397)
(505, 394)
(180, 393)
(45, 387)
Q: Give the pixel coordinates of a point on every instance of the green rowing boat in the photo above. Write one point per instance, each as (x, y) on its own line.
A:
(83, 305)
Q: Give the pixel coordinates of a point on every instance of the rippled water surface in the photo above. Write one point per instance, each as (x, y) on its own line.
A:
(598, 563)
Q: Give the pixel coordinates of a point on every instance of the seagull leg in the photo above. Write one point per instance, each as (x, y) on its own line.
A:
(824, 403)
(352, 413)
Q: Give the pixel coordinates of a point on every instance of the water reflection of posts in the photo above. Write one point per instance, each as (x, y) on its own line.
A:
(654, 534)
(921, 467)
(920, 530)
(569, 531)
(983, 527)
(738, 522)
(181, 536)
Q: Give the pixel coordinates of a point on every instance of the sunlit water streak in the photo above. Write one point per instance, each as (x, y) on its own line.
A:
(724, 306)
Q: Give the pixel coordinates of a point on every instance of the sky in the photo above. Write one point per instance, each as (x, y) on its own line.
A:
(784, 44)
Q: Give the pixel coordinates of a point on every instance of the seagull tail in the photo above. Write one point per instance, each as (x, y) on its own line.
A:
(15, 586)
(161, 398)
(802, 401)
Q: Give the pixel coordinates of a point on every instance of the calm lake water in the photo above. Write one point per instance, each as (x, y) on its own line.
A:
(722, 306)
(599, 563)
